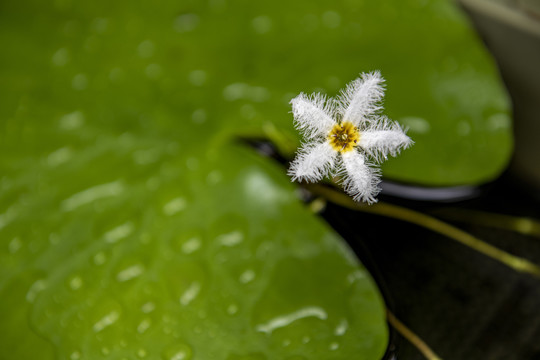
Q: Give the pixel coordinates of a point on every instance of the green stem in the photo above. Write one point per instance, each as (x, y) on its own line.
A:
(428, 222)
(522, 225)
(411, 337)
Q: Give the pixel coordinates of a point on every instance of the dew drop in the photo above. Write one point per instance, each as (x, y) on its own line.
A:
(146, 49)
(199, 116)
(130, 273)
(106, 321)
(100, 25)
(75, 283)
(92, 194)
(35, 288)
(498, 122)
(8, 216)
(144, 325)
(214, 177)
(72, 120)
(141, 353)
(331, 19)
(54, 239)
(100, 258)
(148, 307)
(178, 352)
(262, 24)
(333, 346)
(185, 280)
(153, 71)
(235, 91)
(355, 276)
(231, 239)
(247, 276)
(186, 22)
(342, 327)
(232, 309)
(191, 245)
(416, 124)
(118, 233)
(75, 355)
(105, 351)
(286, 342)
(60, 57)
(59, 156)
(79, 82)
(197, 77)
(264, 189)
(174, 206)
(15, 245)
(285, 320)
(190, 294)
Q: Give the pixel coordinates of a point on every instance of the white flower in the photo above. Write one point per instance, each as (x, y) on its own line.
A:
(346, 137)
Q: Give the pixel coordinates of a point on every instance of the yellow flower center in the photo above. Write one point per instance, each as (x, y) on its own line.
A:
(344, 137)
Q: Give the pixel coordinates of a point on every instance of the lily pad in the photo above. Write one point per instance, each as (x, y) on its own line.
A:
(179, 257)
(234, 65)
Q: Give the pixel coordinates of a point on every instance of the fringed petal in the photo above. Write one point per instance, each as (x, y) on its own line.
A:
(359, 179)
(382, 138)
(361, 98)
(313, 162)
(313, 115)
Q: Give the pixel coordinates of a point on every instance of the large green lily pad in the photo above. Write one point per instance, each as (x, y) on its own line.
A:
(235, 65)
(130, 248)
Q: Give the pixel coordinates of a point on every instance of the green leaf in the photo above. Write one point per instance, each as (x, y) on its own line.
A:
(234, 65)
(130, 247)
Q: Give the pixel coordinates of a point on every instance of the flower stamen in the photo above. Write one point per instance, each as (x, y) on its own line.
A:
(344, 137)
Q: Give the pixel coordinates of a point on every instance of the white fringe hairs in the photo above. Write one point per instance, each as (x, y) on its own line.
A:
(359, 104)
(313, 115)
(361, 98)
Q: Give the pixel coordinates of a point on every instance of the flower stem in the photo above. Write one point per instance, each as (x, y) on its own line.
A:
(411, 337)
(397, 212)
(521, 225)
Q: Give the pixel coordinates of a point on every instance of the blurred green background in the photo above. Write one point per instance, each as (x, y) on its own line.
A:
(132, 225)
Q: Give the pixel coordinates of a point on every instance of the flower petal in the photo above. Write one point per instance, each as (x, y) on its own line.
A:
(382, 138)
(360, 180)
(361, 98)
(313, 162)
(313, 114)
